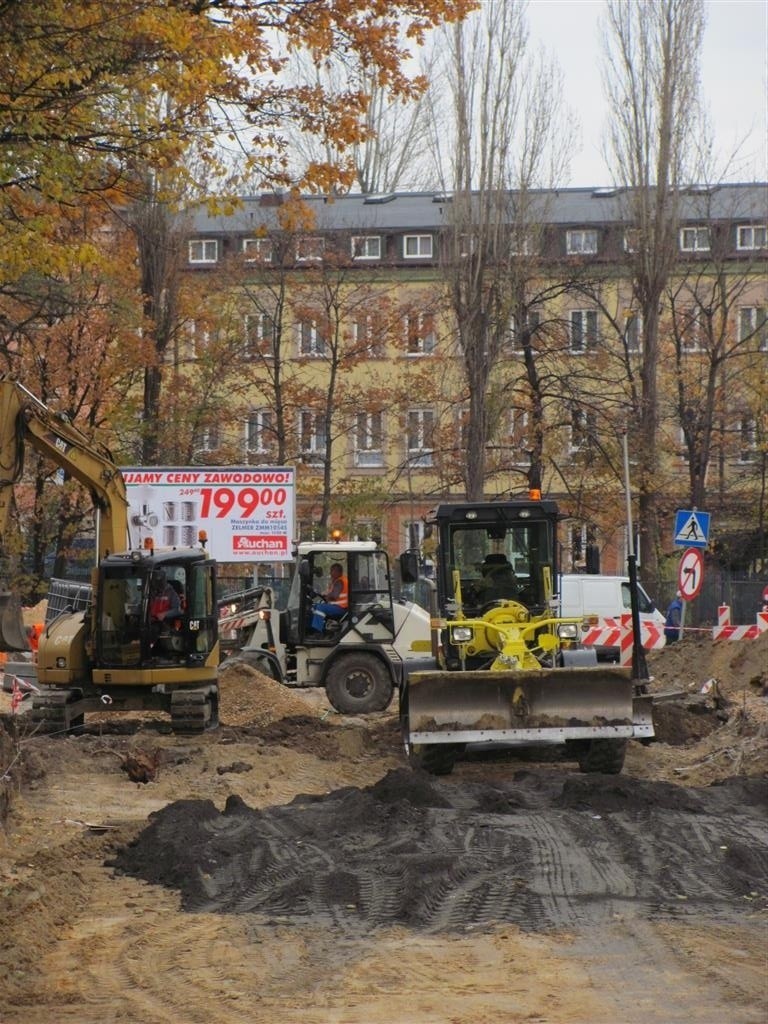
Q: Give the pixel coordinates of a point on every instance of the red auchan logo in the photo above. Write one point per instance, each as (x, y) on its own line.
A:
(248, 542)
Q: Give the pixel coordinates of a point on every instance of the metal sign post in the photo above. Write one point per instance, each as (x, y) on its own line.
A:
(639, 664)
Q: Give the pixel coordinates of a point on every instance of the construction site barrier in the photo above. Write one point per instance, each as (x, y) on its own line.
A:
(724, 630)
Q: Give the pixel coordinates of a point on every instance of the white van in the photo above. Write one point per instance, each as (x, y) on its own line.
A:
(607, 597)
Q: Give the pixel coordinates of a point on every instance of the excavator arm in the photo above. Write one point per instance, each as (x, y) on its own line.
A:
(25, 420)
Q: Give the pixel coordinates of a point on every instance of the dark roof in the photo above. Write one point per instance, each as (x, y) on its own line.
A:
(429, 211)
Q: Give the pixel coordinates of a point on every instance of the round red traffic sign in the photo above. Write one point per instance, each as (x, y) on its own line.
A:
(690, 575)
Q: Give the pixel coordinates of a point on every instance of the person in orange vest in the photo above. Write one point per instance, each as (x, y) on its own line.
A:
(34, 632)
(335, 601)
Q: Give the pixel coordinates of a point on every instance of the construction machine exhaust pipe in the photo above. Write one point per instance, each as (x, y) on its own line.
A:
(13, 633)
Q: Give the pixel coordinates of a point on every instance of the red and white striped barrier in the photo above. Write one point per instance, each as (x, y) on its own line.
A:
(725, 631)
(609, 632)
(605, 633)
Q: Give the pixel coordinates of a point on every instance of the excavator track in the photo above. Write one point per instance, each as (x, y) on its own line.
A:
(194, 711)
(54, 713)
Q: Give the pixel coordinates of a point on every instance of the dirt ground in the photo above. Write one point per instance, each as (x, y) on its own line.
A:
(290, 867)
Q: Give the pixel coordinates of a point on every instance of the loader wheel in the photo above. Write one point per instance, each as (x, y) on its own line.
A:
(603, 756)
(358, 684)
(435, 758)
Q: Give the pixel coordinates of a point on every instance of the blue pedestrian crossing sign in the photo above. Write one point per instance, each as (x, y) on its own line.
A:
(691, 529)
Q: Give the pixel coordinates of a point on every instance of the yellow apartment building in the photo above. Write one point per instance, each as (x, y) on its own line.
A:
(336, 320)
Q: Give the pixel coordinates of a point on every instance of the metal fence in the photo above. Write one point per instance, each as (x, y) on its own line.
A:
(742, 594)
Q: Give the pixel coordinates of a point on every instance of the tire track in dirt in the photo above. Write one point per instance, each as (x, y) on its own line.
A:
(399, 853)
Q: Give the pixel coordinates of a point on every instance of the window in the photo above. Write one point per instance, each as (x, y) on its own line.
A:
(633, 332)
(366, 247)
(584, 551)
(521, 243)
(207, 438)
(367, 336)
(198, 338)
(259, 432)
(753, 324)
(310, 247)
(419, 437)
(310, 339)
(203, 250)
(369, 433)
(583, 329)
(632, 240)
(752, 236)
(581, 243)
(312, 436)
(516, 338)
(518, 436)
(748, 438)
(420, 338)
(582, 430)
(417, 247)
(694, 239)
(413, 534)
(259, 335)
(467, 245)
(682, 444)
(257, 250)
(690, 331)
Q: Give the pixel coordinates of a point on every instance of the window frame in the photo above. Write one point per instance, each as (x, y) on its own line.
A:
(581, 249)
(312, 428)
(368, 426)
(581, 430)
(258, 244)
(587, 344)
(757, 329)
(698, 230)
(420, 456)
(203, 260)
(420, 342)
(318, 344)
(747, 438)
(312, 243)
(258, 423)
(263, 345)
(752, 247)
(366, 239)
(419, 239)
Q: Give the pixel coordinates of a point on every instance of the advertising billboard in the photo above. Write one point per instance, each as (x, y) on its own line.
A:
(248, 512)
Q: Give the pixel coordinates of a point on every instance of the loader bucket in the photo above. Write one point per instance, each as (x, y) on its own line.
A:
(13, 633)
(522, 707)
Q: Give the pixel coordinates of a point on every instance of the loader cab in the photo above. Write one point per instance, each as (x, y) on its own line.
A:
(365, 568)
(127, 628)
(494, 551)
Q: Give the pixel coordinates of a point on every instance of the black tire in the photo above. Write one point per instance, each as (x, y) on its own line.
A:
(603, 756)
(435, 758)
(358, 684)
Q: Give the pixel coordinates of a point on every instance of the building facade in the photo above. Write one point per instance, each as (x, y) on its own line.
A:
(362, 337)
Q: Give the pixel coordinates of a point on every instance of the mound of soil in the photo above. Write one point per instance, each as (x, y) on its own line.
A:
(426, 854)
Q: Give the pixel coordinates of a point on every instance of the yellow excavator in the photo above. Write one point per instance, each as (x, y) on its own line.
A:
(505, 669)
(119, 646)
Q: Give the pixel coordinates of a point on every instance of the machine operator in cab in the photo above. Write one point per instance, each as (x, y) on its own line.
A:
(335, 600)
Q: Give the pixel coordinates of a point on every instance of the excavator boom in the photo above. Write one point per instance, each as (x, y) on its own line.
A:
(25, 420)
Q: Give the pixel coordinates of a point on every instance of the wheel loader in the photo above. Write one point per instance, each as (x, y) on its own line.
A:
(358, 657)
(103, 646)
(505, 670)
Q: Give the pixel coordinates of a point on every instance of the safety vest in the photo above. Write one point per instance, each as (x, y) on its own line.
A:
(342, 598)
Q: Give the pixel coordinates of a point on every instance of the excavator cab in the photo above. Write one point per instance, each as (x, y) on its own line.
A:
(137, 626)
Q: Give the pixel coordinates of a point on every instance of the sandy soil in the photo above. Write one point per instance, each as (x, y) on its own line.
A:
(290, 867)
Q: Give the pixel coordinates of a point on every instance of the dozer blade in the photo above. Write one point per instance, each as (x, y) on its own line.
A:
(544, 706)
(13, 633)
